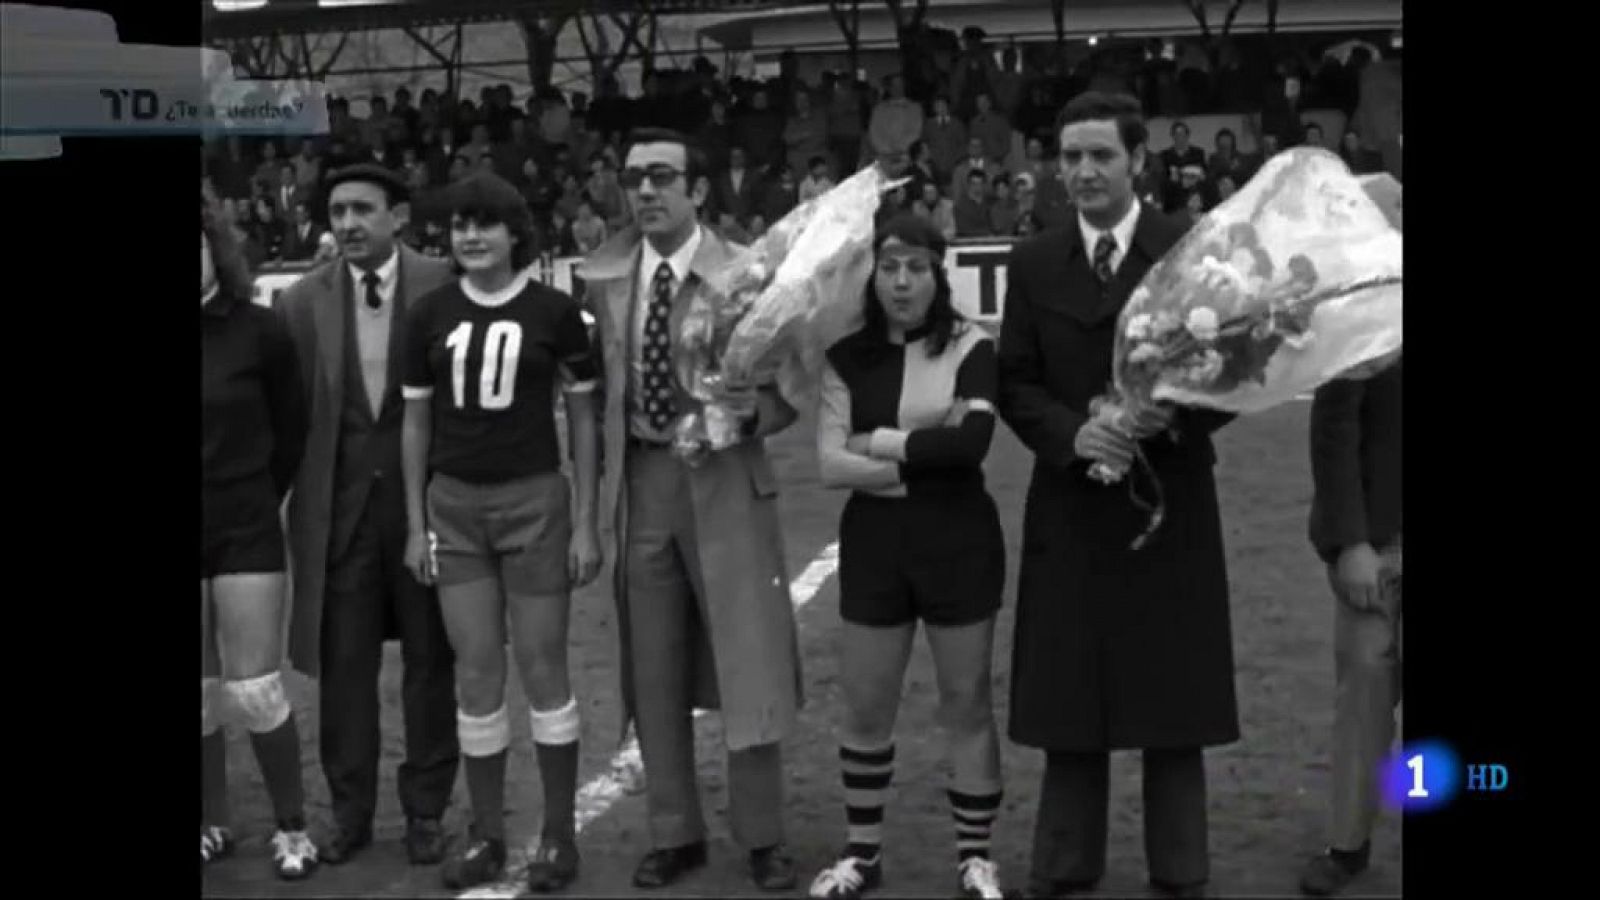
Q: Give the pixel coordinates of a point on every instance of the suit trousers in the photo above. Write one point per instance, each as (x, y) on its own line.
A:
(667, 627)
(368, 592)
(1069, 841)
(1366, 647)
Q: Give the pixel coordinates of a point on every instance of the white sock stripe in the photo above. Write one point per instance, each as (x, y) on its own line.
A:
(260, 702)
(483, 735)
(865, 834)
(556, 726)
(975, 818)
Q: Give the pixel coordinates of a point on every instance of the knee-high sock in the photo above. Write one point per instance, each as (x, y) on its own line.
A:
(867, 773)
(974, 815)
(555, 738)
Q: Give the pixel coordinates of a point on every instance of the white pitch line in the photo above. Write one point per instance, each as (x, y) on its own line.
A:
(626, 769)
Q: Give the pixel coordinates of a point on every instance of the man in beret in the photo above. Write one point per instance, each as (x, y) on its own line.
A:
(347, 520)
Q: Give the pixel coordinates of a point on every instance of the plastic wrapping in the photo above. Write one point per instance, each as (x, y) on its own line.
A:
(1290, 283)
(767, 317)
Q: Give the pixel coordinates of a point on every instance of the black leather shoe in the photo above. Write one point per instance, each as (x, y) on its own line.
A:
(1059, 888)
(662, 867)
(425, 842)
(772, 869)
(553, 866)
(343, 845)
(1331, 871)
(1198, 889)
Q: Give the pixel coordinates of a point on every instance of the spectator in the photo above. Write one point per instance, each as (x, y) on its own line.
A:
(844, 117)
(438, 153)
(1191, 178)
(245, 232)
(588, 230)
(301, 238)
(233, 172)
(1003, 208)
(817, 181)
(1361, 160)
(1037, 117)
(758, 226)
(1313, 136)
(1269, 149)
(571, 195)
(936, 209)
(1051, 204)
(538, 190)
(307, 167)
(486, 162)
(896, 122)
(480, 145)
(971, 208)
(805, 134)
(603, 190)
(781, 196)
(1226, 159)
(975, 73)
(736, 191)
(405, 113)
(1194, 207)
(1034, 161)
(267, 172)
(700, 193)
(946, 137)
(288, 193)
(559, 238)
(760, 131)
(1008, 84)
(716, 136)
(922, 169)
(460, 167)
(1027, 225)
(1226, 187)
(976, 161)
(993, 129)
(1024, 186)
(1175, 159)
(1281, 114)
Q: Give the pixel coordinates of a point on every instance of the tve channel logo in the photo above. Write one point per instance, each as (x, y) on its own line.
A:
(1428, 775)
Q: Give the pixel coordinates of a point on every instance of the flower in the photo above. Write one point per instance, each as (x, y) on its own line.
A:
(1164, 323)
(1139, 327)
(1202, 323)
(1144, 351)
(1204, 368)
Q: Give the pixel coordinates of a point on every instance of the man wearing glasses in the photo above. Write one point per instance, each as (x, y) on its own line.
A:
(703, 604)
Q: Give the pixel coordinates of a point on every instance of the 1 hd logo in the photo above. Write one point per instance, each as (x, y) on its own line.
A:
(1428, 775)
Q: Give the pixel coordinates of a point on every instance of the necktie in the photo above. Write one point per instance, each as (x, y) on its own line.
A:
(658, 399)
(374, 300)
(1103, 250)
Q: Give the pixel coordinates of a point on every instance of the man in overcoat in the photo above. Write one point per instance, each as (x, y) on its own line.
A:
(1115, 648)
(703, 606)
(347, 522)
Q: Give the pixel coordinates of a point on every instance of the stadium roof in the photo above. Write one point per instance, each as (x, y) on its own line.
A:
(232, 19)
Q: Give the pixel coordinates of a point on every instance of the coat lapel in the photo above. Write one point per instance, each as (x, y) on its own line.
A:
(329, 313)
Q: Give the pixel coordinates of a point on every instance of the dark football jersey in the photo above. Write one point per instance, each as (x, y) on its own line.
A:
(490, 363)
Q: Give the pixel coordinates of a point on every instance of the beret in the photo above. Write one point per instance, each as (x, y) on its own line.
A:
(371, 173)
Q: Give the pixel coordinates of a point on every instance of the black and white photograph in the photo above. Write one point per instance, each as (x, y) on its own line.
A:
(737, 447)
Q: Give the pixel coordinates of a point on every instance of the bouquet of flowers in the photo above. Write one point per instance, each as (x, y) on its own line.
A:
(1290, 283)
(761, 318)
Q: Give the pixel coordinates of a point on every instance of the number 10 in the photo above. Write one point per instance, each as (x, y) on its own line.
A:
(1417, 790)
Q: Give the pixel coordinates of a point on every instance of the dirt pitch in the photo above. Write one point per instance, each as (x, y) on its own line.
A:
(1267, 793)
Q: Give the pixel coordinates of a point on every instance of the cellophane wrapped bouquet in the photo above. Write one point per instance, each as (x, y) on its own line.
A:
(766, 317)
(1288, 284)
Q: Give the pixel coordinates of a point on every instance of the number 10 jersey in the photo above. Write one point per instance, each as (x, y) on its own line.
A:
(489, 363)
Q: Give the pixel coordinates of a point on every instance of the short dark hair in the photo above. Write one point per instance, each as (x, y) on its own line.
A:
(488, 199)
(816, 161)
(1003, 178)
(1228, 133)
(978, 174)
(1311, 125)
(915, 231)
(1124, 109)
(1176, 125)
(695, 158)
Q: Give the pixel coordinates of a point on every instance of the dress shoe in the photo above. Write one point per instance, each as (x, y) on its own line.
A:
(1197, 889)
(553, 866)
(772, 869)
(425, 842)
(343, 845)
(664, 866)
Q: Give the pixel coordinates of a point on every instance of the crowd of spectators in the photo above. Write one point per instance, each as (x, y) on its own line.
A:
(977, 133)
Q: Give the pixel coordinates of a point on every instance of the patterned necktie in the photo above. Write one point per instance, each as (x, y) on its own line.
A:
(658, 398)
(374, 299)
(1103, 250)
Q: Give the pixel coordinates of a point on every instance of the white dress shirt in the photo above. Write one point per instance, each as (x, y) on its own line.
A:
(1122, 231)
(644, 291)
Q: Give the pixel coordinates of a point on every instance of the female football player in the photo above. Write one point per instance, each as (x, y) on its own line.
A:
(253, 430)
(906, 418)
(489, 510)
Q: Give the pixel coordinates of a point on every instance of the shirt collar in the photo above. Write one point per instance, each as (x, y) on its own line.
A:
(388, 274)
(1122, 231)
(679, 261)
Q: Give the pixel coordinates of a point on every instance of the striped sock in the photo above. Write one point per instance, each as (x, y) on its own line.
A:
(975, 815)
(867, 774)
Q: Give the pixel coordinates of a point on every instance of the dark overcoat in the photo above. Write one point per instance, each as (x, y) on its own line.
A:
(1114, 648)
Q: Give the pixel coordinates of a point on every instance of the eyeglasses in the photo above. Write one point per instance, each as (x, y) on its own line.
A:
(660, 176)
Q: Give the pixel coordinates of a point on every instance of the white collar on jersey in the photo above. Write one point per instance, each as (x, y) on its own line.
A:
(496, 298)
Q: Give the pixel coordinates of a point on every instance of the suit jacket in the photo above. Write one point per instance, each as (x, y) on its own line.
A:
(1114, 647)
(297, 249)
(754, 674)
(285, 209)
(313, 308)
(744, 202)
(1355, 463)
